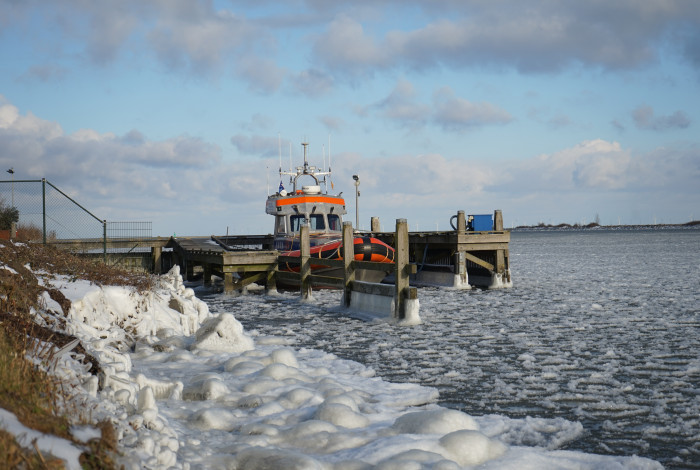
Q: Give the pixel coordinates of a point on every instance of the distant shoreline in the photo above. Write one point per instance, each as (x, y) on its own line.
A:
(594, 226)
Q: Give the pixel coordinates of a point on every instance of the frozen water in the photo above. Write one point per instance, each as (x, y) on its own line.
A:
(601, 328)
(190, 388)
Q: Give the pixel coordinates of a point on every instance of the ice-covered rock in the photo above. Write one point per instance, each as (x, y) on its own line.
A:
(471, 447)
(438, 421)
(223, 333)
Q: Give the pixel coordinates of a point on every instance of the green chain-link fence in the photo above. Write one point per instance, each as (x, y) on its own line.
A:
(47, 214)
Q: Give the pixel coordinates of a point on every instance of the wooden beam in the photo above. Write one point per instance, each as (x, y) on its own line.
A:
(482, 247)
(248, 280)
(479, 261)
(250, 268)
(386, 290)
(326, 281)
(335, 263)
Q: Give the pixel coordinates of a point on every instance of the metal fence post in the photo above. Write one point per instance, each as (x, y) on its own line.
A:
(104, 240)
(43, 203)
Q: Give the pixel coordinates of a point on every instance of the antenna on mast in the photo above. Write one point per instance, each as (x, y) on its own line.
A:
(279, 150)
(306, 163)
(323, 152)
(290, 163)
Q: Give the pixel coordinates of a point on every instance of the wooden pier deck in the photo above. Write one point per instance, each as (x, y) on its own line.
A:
(458, 258)
(224, 256)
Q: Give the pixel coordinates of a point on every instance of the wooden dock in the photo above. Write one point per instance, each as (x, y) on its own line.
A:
(230, 258)
(460, 258)
(457, 258)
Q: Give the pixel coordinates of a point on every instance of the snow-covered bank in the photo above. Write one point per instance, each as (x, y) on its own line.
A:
(186, 389)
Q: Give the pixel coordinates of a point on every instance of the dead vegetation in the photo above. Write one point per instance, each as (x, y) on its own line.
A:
(26, 390)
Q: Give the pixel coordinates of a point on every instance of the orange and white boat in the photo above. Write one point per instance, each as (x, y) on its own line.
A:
(323, 213)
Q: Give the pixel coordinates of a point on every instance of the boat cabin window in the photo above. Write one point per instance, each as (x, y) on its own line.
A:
(316, 222)
(334, 223)
(280, 225)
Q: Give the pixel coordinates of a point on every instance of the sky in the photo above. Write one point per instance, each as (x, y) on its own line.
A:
(180, 112)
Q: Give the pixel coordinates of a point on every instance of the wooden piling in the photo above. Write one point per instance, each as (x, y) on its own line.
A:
(206, 274)
(156, 256)
(189, 270)
(305, 267)
(401, 273)
(460, 266)
(228, 283)
(375, 225)
(348, 266)
(271, 281)
(498, 220)
(461, 222)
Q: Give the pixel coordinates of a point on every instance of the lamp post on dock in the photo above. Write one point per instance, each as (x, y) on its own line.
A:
(357, 197)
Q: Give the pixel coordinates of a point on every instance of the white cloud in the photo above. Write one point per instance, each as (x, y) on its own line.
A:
(200, 38)
(457, 114)
(181, 34)
(401, 106)
(332, 123)
(644, 118)
(312, 82)
(103, 167)
(447, 110)
(593, 164)
(539, 36)
(346, 46)
(29, 125)
(359, 40)
(262, 75)
(183, 181)
(600, 165)
(257, 145)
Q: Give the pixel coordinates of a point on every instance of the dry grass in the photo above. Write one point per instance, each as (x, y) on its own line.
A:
(30, 232)
(25, 389)
(15, 457)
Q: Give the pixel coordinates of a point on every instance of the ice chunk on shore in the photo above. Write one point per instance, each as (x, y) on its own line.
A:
(223, 333)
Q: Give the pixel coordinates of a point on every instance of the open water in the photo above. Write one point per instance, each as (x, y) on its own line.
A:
(601, 327)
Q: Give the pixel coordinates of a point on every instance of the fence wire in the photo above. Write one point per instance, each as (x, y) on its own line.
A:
(48, 214)
(128, 237)
(45, 210)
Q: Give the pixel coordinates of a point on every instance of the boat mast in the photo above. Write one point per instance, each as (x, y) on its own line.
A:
(304, 170)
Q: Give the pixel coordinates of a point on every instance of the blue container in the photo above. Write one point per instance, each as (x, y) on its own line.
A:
(481, 222)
